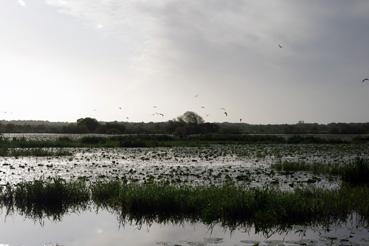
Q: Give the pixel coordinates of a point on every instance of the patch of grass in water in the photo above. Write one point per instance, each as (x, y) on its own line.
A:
(230, 205)
(13, 152)
(355, 173)
(155, 202)
(38, 199)
(316, 168)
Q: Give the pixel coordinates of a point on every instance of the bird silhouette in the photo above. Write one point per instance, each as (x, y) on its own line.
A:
(280, 46)
(196, 96)
(202, 106)
(226, 114)
(240, 119)
(120, 108)
(364, 80)
(160, 114)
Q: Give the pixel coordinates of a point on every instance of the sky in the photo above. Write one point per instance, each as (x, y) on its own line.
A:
(264, 61)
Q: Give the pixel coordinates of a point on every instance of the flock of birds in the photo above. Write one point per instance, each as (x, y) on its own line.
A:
(222, 109)
(160, 114)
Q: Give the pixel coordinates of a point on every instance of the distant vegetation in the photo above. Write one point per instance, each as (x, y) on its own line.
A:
(188, 123)
(166, 141)
(16, 152)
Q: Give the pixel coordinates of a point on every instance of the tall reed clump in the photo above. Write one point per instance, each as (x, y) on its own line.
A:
(230, 205)
(38, 199)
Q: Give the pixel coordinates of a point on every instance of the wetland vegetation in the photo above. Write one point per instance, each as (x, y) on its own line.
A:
(134, 141)
(229, 205)
(355, 172)
(269, 183)
(20, 152)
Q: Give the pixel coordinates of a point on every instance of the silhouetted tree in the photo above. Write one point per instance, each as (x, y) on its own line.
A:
(190, 123)
(191, 118)
(90, 124)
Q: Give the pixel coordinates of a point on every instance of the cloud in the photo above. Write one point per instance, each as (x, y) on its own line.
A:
(22, 3)
(232, 46)
(236, 37)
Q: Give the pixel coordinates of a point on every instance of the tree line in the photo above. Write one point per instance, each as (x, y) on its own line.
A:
(189, 123)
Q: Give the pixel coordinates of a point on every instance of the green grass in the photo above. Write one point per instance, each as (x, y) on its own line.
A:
(230, 205)
(355, 173)
(41, 199)
(16, 152)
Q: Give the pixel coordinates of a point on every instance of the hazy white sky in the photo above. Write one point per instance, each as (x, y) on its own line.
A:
(65, 59)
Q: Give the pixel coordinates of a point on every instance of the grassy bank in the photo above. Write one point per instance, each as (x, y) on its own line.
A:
(167, 141)
(354, 173)
(229, 205)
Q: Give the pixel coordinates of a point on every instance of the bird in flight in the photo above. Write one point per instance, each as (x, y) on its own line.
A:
(161, 114)
(280, 46)
(196, 96)
(240, 119)
(226, 114)
(202, 106)
(364, 80)
(120, 108)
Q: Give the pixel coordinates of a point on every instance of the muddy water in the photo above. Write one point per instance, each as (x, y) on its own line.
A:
(89, 228)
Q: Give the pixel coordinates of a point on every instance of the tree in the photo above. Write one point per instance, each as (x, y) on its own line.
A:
(190, 117)
(190, 123)
(90, 124)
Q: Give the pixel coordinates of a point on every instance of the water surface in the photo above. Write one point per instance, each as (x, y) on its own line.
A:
(90, 228)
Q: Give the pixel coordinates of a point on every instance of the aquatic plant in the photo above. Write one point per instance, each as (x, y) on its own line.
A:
(229, 205)
(17, 152)
(52, 198)
(354, 173)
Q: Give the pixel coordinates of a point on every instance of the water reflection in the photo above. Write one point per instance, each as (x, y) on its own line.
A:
(101, 227)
